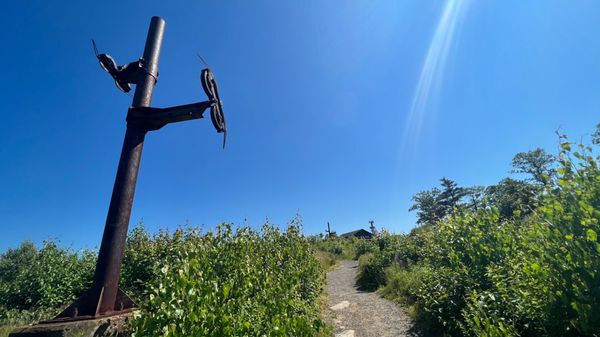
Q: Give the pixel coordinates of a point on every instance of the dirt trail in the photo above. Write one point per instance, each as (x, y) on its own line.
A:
(362, 314)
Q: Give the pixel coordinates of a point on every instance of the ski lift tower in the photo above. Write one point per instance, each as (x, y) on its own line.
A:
(104, 299)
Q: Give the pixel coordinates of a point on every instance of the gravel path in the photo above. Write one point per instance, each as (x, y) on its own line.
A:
(362, 314)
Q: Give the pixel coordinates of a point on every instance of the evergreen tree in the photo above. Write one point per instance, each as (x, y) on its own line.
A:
(427, 206)
(450, 197)
(536, 163)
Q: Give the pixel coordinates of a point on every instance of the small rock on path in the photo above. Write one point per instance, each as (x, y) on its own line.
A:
(346, 333)
(367, 314)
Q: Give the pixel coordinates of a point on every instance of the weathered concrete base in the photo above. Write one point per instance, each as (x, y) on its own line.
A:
(113, 326)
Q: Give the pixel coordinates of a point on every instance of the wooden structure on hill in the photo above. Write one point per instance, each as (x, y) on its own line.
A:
(361, 234)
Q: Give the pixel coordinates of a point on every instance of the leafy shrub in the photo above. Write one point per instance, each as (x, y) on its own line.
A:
(326, 260)
(236, 284)
(398, 250)
(242, 283)
(481, 273)
(482, 322)
(341, 248)
(371, 271)
(336, 248)
(570, 223)
(145, 254)
(365, 246)
(46, 278)
(403, 284)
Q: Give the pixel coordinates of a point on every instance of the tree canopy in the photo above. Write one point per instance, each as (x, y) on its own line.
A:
(508, 196)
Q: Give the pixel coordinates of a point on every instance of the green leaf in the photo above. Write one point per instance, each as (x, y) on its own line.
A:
(591, 235)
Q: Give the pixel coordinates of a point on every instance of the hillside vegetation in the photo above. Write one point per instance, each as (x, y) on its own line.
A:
(520, 258)
(224, 283)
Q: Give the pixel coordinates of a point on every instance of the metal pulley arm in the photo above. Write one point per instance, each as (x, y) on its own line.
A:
(156, 118)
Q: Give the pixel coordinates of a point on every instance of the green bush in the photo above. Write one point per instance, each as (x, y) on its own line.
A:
(336, 248)
(326, 260)
(41, 279)
(482, 322)
(569, 224)
(145, 254)
(399, 250)
(341, 248)
(371, 270)
(478, 273)
(365, 246)
(236, 284)
(403, 284)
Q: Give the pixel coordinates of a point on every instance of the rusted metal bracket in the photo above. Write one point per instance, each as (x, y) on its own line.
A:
(155, 118)
(89, 306)
(124, 75)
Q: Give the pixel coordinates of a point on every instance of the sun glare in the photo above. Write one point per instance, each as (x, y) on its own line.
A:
(432, 71)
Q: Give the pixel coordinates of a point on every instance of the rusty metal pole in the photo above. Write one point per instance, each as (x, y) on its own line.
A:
(104, 298)
(108, 266)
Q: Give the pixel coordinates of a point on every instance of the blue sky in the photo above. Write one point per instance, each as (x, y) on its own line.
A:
(317, 96)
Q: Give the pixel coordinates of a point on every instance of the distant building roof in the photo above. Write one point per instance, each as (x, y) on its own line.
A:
(360, 233)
